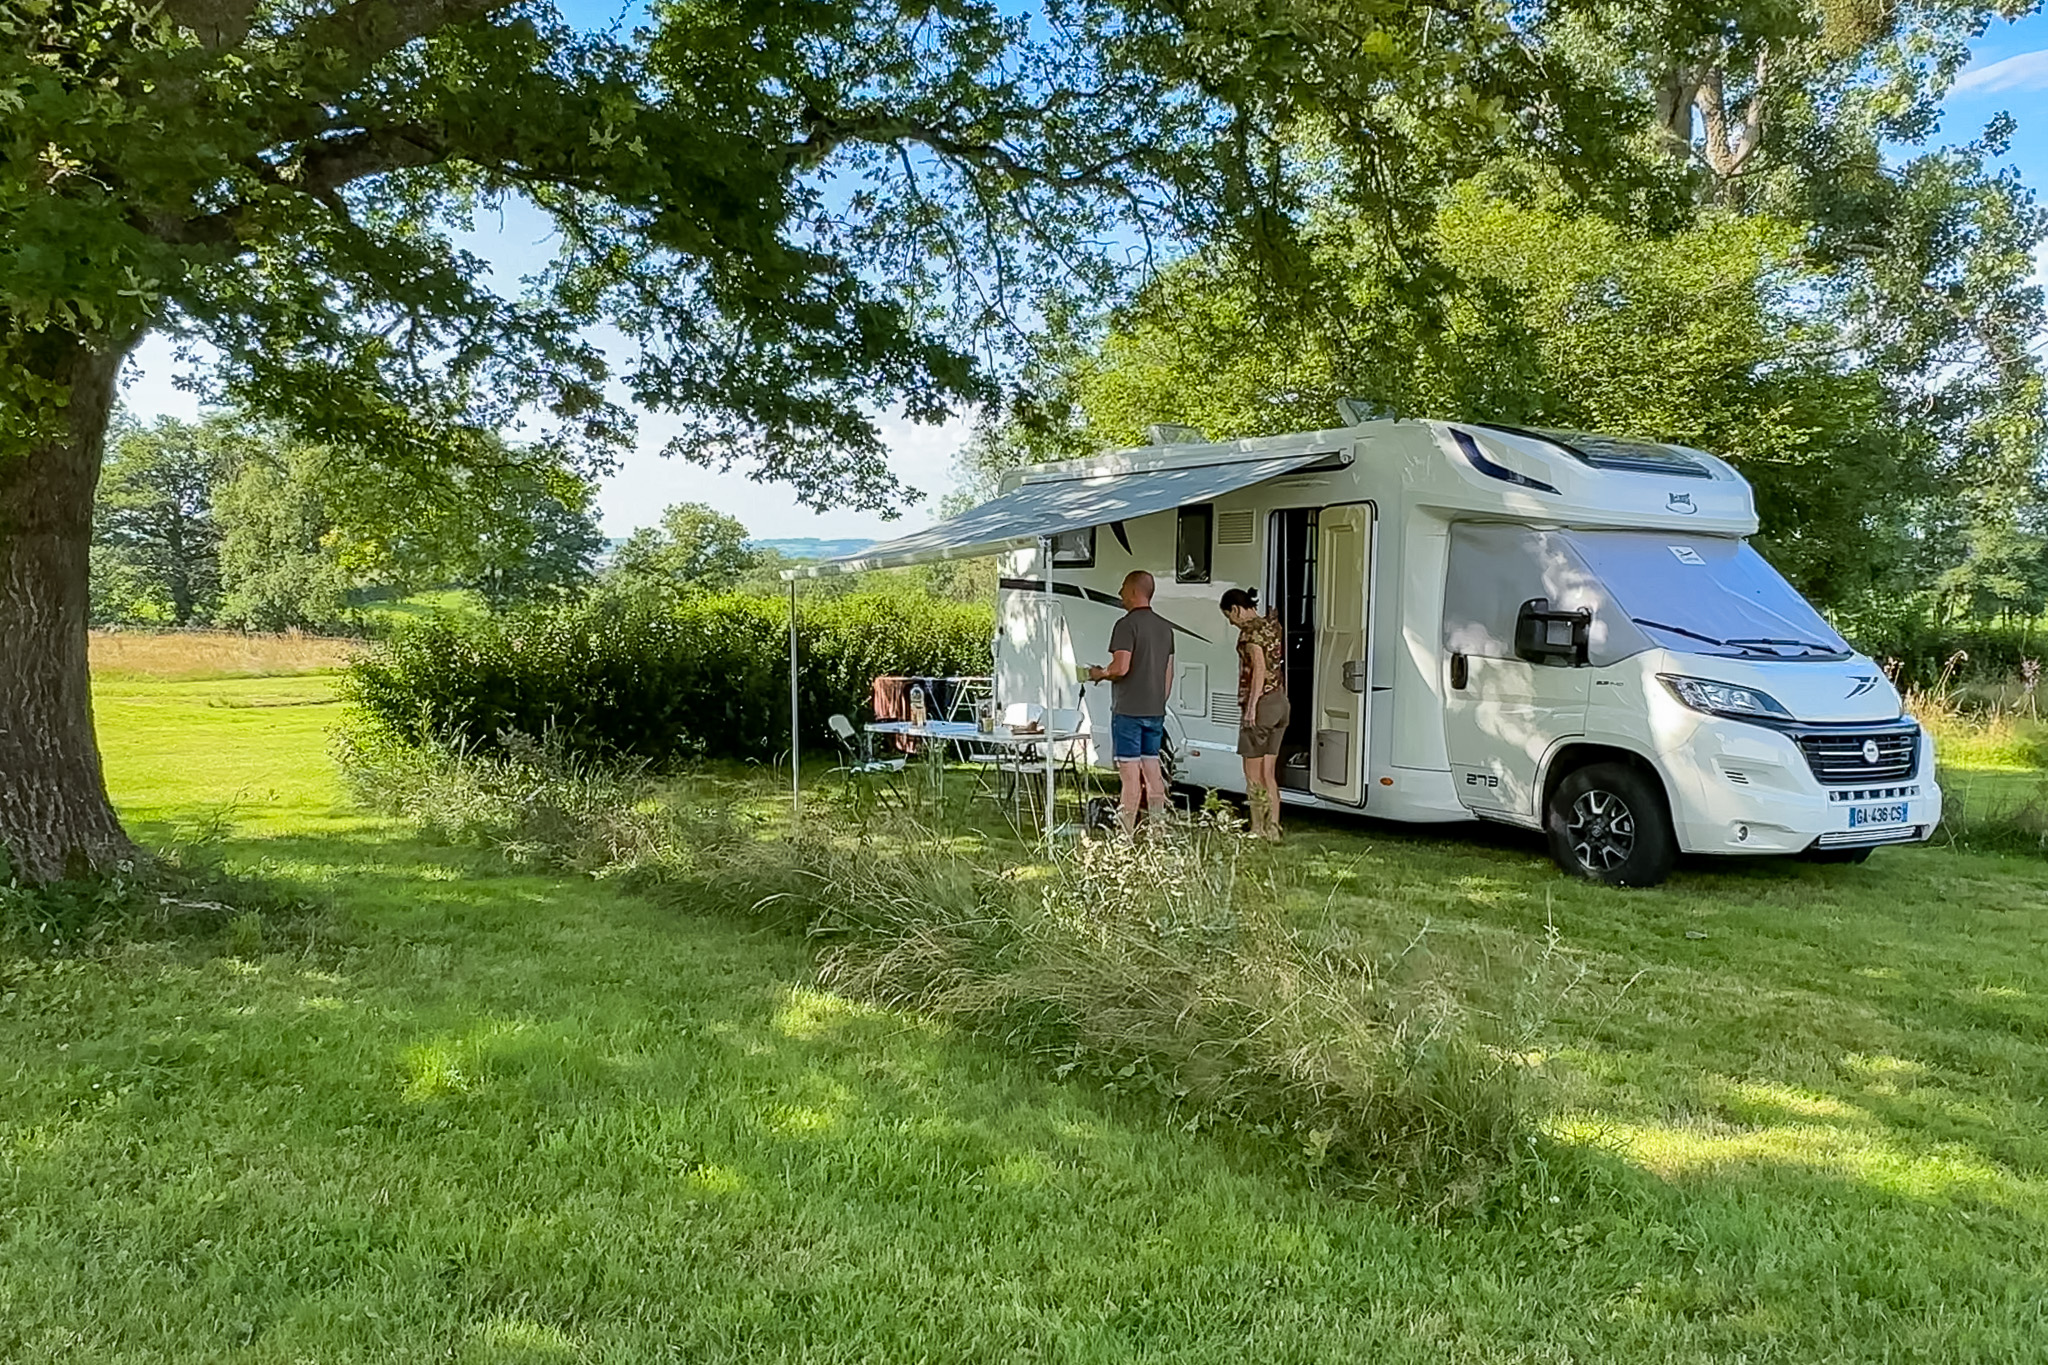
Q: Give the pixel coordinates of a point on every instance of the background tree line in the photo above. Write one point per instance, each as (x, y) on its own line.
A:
(230, 522)
(233, 522)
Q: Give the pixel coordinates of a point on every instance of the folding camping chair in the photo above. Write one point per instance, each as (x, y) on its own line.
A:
(1004, 771)
(864, 772)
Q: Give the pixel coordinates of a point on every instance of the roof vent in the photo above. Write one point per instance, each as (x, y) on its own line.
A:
(1173, 434)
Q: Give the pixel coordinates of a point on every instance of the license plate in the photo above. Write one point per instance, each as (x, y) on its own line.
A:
(1877, 815)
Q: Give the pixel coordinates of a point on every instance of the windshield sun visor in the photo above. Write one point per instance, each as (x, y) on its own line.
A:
(1707, 595)
(1494, 568)
(1692, 594)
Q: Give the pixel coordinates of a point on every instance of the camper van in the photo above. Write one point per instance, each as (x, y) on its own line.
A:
(1556, 630)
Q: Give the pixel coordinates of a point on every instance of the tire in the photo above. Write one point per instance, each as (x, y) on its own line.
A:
(1608, 822)
(1836, 855)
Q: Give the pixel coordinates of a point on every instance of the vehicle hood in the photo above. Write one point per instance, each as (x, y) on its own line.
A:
(1834, 691)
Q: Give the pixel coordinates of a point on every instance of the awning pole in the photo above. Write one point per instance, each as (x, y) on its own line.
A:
(1045, 560)
(796, 786)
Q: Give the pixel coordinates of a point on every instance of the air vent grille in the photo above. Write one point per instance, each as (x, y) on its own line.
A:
(1883, 834)
(1235, 527)
(1224, 710)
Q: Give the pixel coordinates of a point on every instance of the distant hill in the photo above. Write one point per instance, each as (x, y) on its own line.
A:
(810, 547)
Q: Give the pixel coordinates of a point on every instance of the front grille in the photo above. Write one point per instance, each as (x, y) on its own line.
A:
(1841, 759)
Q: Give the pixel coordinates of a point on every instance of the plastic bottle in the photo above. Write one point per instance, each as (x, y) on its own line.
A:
(918, 713)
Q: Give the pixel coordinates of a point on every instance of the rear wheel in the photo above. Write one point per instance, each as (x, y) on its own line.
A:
(1607, 822)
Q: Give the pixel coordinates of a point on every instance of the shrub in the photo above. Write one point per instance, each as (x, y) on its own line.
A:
(704, 678)
(1919, 653)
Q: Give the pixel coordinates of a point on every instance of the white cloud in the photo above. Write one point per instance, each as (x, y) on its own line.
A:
(2027, 71)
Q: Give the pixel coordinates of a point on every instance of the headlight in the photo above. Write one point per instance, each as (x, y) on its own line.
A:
(1723, 699)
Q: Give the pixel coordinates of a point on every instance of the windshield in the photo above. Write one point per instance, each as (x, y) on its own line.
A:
(1707, 595)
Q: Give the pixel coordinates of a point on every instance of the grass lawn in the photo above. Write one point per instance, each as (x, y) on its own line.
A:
(479, 1116)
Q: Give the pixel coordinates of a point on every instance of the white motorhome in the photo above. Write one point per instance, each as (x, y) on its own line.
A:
(1556, 630)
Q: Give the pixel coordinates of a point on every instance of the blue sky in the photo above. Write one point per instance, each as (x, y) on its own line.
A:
(2008, 72)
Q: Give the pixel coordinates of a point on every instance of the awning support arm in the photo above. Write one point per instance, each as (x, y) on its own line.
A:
(1045, 562)
(796, 785)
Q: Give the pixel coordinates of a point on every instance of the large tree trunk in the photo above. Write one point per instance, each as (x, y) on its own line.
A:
(55, 818)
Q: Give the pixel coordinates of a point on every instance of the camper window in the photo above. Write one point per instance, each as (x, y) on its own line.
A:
(1074, 549)
(1191, 544)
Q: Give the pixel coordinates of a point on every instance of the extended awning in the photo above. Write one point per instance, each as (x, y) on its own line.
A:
(1069, 500)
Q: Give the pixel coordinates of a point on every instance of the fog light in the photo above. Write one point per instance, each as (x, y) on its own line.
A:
(1742, 834)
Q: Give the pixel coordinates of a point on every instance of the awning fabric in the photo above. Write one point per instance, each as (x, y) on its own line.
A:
(1048, 504)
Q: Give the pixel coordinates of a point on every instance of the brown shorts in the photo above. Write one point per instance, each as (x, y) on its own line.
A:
(1260, 735)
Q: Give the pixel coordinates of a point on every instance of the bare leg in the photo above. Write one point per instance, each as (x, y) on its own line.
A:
(1130, 773)
(1255, 796)
(1269, 778)
(1154, 782)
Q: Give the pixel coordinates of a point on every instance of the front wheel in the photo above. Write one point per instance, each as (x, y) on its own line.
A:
(1607, 822)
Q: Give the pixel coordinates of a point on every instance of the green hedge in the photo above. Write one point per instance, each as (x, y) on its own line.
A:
(708, 678)
(1922, 650)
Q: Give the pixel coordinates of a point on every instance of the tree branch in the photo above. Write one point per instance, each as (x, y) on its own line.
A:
(371, 29)
(218, 24)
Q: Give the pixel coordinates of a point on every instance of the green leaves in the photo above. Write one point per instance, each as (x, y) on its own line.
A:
(794, 216)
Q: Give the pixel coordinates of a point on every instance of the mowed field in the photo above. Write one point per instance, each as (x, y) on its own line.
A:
(465, 1114)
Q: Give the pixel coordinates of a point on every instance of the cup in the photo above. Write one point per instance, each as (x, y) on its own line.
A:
(1081, 672)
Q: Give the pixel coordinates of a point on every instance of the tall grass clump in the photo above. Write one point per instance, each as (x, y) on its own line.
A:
(540, 804)
(184, 893)
(1992, 744)
(185, 655)
(1165, 970)
(706, 677)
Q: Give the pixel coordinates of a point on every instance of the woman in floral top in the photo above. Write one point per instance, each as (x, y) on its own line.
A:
(1262, 700)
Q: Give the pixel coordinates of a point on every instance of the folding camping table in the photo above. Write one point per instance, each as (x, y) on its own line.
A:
(945, 733)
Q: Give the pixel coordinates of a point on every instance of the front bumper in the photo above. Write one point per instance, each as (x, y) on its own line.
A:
(1743, 788)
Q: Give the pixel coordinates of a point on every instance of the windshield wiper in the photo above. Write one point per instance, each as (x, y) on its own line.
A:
(1811, 646)
(1680, 630)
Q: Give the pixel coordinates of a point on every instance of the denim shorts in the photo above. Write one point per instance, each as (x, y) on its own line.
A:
(1136, 737)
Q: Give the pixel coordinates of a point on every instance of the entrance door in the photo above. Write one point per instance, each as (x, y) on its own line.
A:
(1343, 681)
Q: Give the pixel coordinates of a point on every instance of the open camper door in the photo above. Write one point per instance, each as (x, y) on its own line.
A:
(1343, 682)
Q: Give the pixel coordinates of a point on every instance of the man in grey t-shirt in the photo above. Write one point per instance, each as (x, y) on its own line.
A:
(1140, 671)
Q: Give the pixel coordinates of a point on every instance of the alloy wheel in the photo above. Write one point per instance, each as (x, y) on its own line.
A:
(1602, 831)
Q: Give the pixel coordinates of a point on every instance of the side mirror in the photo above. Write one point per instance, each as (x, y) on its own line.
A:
(1543, 636)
